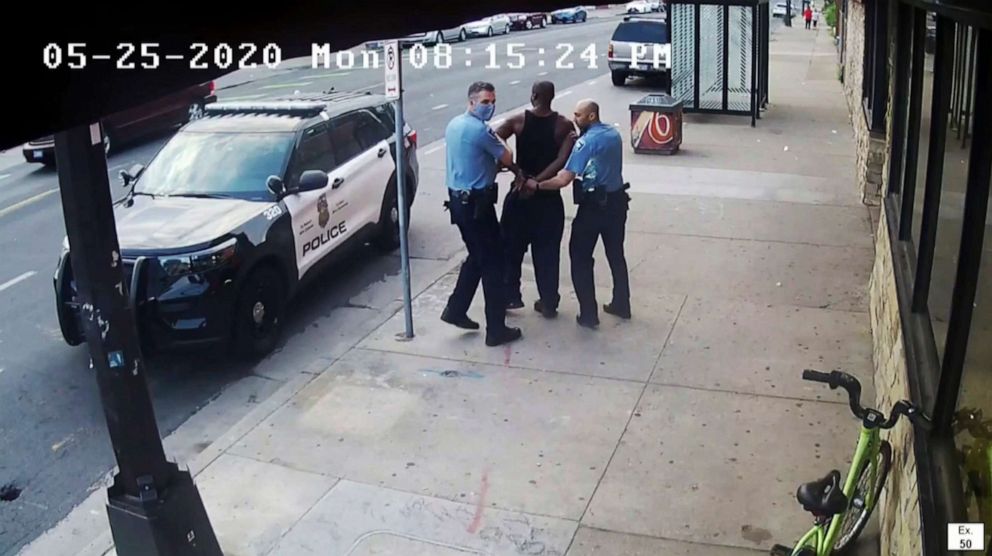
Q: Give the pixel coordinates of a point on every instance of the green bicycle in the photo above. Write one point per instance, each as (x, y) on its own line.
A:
(841, 512)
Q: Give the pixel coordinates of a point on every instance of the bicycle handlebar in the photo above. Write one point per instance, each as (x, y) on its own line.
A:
(839, 379)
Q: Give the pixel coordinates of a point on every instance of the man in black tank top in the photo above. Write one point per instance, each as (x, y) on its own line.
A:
(536, 219)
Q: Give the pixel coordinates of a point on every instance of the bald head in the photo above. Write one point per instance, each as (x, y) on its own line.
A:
(542, 93)
(586, 113)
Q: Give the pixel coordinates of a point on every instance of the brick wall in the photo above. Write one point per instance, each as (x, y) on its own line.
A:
(898, 509)
(870, 155)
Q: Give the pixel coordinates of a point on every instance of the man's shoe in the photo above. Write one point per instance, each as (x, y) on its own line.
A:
(515, 304)
(546, 312)
(504, 336)
(616, 312)
(588, 323)
(461, 322)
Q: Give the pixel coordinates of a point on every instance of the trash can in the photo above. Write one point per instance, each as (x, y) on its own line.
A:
(656, 124)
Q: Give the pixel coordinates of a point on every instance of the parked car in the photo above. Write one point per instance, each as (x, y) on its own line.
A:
(639, 7)
(158, 115)
(243, 206)
(528, 21)
(654, 54)
(489, 26)
(457, 33)
(569, 15)
(780, 7)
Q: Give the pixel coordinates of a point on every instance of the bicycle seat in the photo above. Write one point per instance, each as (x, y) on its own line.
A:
(823, 497)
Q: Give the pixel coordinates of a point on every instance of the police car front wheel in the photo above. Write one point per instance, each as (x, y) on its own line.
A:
(259, 312)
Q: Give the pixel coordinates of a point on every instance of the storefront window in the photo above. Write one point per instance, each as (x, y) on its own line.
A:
(974, 417)
(921, 160)
(952, 198)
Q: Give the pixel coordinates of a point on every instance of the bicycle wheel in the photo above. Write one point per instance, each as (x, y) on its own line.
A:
(853, 521)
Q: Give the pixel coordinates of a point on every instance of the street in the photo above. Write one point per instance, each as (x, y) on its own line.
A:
(51, 425)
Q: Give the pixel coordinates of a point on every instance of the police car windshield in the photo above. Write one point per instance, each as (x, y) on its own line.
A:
(217, 165)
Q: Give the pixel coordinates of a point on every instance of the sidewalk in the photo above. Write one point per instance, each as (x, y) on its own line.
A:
(684, 431)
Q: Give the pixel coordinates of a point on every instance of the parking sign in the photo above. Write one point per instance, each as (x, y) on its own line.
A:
(393, 61)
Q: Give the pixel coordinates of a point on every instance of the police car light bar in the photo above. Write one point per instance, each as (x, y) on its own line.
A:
(300, 109)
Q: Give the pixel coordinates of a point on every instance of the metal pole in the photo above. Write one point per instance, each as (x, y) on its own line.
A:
(403, 211)
(153, 507)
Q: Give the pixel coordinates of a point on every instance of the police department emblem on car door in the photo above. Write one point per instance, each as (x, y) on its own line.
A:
(323, 214)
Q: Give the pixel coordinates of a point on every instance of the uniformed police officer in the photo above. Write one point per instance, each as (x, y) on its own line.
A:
(473, 155)
(595, 165)
(544, 141)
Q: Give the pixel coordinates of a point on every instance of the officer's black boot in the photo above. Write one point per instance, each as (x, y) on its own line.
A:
(617, 311)
(460, 321)
(504, 336)
(587, 322)
(546, 312)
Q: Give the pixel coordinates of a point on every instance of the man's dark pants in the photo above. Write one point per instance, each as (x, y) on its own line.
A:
(537, 222)
(593, 221)
(476, 220)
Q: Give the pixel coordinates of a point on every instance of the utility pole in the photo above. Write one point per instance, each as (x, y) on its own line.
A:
(153, 507)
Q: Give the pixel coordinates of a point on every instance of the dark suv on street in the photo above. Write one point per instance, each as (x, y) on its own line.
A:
(244, 204)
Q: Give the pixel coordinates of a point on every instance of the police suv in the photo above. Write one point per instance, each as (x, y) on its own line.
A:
(240, 207)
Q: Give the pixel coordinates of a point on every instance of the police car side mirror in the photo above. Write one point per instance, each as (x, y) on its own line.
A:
(132, 174)
(312, 180)
(276, 186)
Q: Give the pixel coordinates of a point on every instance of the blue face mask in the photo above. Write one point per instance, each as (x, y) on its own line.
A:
(484, 111)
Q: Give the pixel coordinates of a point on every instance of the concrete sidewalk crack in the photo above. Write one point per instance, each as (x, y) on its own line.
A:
(630, 418)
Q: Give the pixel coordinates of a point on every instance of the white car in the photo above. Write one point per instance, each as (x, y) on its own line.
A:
(639, 7)
(779, 9)
(489, 26)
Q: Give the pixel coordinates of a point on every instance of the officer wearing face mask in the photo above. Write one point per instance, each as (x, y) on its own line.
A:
(595, 164)
(474, 154)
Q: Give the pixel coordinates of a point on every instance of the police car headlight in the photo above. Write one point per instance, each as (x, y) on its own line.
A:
(201, 261)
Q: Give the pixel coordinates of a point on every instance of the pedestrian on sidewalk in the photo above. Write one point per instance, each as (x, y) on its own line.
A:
(473, 155)
(544, 141)
(816, 17)
(599, 190)
(808, 16)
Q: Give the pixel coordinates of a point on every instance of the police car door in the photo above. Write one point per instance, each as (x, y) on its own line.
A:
(364, 166)
(315, 230)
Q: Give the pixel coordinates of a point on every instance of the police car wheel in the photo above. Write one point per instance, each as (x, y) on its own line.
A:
(259, 312)
(388, 238)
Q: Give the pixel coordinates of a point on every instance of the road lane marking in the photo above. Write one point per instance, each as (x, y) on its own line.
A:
(4, 176)
(18, 280)
(543, 73)
(439, 106)
(285, 85)
(564, 94)
(326, 75)
(244, 97)
(514, 82)
(434, 149)
(26, 202)
(591, 82)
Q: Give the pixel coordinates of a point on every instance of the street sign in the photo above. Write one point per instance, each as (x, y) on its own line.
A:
(393, 61)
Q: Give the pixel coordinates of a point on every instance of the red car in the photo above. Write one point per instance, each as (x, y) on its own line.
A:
(167, 112)
(527, 21)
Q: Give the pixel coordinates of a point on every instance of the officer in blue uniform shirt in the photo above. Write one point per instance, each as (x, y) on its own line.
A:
(474, 153)
(595, 166)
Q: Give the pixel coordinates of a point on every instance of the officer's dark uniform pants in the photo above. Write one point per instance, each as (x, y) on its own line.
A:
(592, 221)
(476, 220)
(537, 222)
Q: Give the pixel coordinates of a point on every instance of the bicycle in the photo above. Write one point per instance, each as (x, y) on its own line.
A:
(842, 511)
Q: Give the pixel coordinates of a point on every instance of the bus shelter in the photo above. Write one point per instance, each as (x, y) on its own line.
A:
(720, 55)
